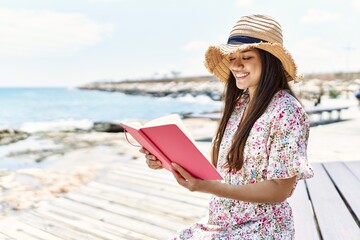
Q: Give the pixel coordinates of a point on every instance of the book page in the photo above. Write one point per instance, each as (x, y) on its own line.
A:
(170, 119)
(136, 125)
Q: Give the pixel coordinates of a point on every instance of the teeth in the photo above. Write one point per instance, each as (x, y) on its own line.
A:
(242, 75)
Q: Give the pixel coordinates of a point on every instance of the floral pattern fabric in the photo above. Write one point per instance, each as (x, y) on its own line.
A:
(275, 149)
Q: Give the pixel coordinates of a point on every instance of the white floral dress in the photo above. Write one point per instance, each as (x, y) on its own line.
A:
(275, 149)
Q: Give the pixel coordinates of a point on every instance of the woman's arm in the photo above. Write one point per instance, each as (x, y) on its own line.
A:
(268, 191)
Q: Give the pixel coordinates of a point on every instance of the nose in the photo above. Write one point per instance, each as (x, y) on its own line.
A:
(236, 64)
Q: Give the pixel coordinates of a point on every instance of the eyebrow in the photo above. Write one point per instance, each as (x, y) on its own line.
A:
(245, 51)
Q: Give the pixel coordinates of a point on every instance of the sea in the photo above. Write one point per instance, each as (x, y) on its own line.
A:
(46, 109)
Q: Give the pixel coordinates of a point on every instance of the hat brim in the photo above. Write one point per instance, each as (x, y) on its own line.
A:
(217, 59)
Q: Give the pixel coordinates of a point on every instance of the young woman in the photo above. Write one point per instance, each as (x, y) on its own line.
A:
(260, 146)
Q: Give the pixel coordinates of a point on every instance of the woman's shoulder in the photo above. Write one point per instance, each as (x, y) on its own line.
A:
(284, 97)
(283, 100)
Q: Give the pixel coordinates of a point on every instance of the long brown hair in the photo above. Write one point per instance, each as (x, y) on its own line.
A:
(272, 80)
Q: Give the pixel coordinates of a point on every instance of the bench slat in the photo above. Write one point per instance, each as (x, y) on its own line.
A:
(354, 168)
(146, 202)
(305, 226)
(347, 183)
(111, 213)
(57, 227)
(19, 230)
(104, 221)
(5, 237)
(333, 217)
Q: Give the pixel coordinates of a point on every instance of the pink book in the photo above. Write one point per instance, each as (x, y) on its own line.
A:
(168, 140)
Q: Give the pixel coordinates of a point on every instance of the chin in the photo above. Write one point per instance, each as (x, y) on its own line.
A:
(241, 86)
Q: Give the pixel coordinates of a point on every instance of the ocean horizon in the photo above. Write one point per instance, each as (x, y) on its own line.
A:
(50, 108)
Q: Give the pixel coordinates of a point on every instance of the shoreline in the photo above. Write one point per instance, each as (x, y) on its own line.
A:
(311, 89)
(174, 88)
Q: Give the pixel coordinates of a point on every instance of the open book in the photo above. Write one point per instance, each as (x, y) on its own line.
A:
(168, 139)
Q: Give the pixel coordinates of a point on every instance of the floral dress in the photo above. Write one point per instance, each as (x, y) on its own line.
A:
(275, 149)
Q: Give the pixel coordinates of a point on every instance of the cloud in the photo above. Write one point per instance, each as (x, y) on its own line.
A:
(44, 33)
(316, 55)
(356, 4)
(196, 46)
(319, 16)
(312, 55)
(245, 3)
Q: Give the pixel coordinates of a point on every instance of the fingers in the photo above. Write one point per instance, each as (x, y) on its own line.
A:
(151, 160)
(181, 175)
(154, 164)
(147, 154)
(179, 178)
(143, 150)
(150, 157)
(185, 179)
(185, 174)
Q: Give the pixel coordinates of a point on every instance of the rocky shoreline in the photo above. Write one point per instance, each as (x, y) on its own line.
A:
(311, 89)
(10, 135)
(177, 87)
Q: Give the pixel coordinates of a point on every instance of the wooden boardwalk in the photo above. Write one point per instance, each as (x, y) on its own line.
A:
(133, 202)
(128, 201)
(328, 205)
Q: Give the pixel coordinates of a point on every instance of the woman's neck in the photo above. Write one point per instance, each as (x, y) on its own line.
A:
(251, 92)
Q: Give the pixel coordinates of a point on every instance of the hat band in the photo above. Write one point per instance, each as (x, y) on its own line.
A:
(243, 39)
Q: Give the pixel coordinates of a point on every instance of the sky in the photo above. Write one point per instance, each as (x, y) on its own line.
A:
(73, 42)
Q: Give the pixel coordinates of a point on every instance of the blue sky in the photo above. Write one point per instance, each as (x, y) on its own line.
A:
(72, 42)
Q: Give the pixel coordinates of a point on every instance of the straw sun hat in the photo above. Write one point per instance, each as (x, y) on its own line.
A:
(254, 31)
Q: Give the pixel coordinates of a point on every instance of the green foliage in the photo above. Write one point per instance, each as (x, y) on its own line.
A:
(333, 93)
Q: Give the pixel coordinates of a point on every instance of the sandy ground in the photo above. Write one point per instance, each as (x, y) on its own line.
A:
(90, 154)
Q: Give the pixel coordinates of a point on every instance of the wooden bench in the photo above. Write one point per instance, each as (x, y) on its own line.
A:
(318, 111)
(327, 206)
(329, 110)
(131, 202)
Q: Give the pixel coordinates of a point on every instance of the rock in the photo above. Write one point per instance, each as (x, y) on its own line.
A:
(176, 87)
(9, 135)
(107, 127)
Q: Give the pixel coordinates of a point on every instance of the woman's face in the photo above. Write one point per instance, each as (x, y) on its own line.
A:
(246, 68)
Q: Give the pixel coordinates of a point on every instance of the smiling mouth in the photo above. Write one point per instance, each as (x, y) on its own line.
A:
(241, 75)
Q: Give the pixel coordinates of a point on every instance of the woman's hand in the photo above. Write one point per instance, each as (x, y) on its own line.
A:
(185, 179)
(151, 160)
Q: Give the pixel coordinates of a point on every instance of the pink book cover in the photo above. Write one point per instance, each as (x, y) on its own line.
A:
(169, 144)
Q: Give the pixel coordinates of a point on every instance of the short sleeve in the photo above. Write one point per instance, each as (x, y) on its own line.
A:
(289, 132)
